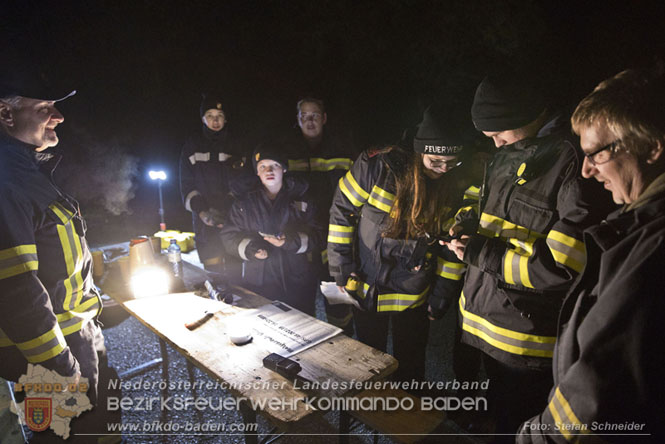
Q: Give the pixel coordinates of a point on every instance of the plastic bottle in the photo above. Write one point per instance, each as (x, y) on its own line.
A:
(175, 259)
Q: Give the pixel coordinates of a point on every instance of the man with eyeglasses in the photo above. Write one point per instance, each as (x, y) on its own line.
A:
(609, 360)
(321, 158)
(525, 248)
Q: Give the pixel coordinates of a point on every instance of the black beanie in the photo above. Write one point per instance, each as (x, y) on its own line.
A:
(506, 102)
(263, 152)
(211, 101)
(438, 134)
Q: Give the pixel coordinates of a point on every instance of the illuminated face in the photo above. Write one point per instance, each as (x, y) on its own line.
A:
(620, 172)
(436, 166)
(507, 137)
(34, 123)
(311, 119)
(214, 119)
(270, 172)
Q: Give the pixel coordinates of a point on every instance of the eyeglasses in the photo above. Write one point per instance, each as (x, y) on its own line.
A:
(304, 117)
(448, 163)
(604, 154)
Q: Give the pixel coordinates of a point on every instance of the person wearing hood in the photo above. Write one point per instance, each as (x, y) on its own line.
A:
(387, 215)
(210, 162)
(524, 248)
(273, 230)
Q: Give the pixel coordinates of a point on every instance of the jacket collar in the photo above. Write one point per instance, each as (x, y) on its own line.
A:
(555, 124)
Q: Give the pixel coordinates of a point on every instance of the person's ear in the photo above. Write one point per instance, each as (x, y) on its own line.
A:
(655, 153)
(325, 118)
(203, 119)
(6, 115)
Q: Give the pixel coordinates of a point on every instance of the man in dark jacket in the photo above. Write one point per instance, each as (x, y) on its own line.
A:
(272, 229)
(609, 360)
(210, 162)
(320, 157)
(48, 305)
(527, 248)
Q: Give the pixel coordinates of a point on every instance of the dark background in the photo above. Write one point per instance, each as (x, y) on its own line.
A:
(140, 66)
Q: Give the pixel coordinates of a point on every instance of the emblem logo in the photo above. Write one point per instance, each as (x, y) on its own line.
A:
(38, 413)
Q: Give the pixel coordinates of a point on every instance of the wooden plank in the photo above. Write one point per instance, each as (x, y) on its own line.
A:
(407, 426)
(336, 362)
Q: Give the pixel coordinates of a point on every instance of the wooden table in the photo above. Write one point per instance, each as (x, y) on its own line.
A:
(339, 359)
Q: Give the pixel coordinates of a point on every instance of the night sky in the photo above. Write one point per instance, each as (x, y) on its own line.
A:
(140, 67)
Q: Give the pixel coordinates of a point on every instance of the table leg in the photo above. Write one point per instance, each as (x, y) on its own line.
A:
(165, 360)
(249, 417)
(344, 426)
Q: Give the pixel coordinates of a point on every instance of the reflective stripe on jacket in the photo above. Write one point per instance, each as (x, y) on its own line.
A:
(45, 264)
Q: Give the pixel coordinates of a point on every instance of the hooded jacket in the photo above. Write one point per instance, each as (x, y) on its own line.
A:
(45, 264)
(288, 269)
(609, 360)
(528, 248)
(393, 274)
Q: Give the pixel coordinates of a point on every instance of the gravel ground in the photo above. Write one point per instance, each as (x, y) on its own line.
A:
(130, 344)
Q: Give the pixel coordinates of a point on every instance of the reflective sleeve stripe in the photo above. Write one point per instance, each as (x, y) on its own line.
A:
(400, 301)
(472, 193)
(516, 269)
(339, 234)
(565, 418)
(493, 226)
(303, 242)
(567, 250)
(188, 199)
(43, 347)
(199, 157)
(450, 270)
(504, 339)
(324, 256)
(381, 199)
(72, 321)
(242, 246)
(354, 192)
(17, 260)
(320, 164)
(223, 157)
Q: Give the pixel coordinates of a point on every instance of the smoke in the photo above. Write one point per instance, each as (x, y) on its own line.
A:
(101, 177)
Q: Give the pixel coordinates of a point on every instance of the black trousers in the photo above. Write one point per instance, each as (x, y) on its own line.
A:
(515, 394)
(410, 330)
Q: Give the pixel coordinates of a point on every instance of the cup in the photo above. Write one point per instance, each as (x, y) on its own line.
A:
(140, 253)
(97, 263)
(123, 263)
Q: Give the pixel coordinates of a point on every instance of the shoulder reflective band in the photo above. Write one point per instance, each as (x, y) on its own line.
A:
(320, 164)
(400, 301)
(199, 157)
(381, 199)
(17, 260)
(567, 250)
(450, 270)
(73, 257)
(354, 192)
(504, 339)
(565, 418)
(339, 234)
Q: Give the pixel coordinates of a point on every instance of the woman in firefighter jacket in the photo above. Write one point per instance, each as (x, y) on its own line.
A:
(210, 162)
(273, 231)
(387, 214)
(609, 359)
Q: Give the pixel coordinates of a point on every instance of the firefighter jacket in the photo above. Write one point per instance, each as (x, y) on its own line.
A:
(609, 360)
(393, 274)
(45, 264)
(209, 163)
(288, 268)
(321, 167)
(529, 247)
